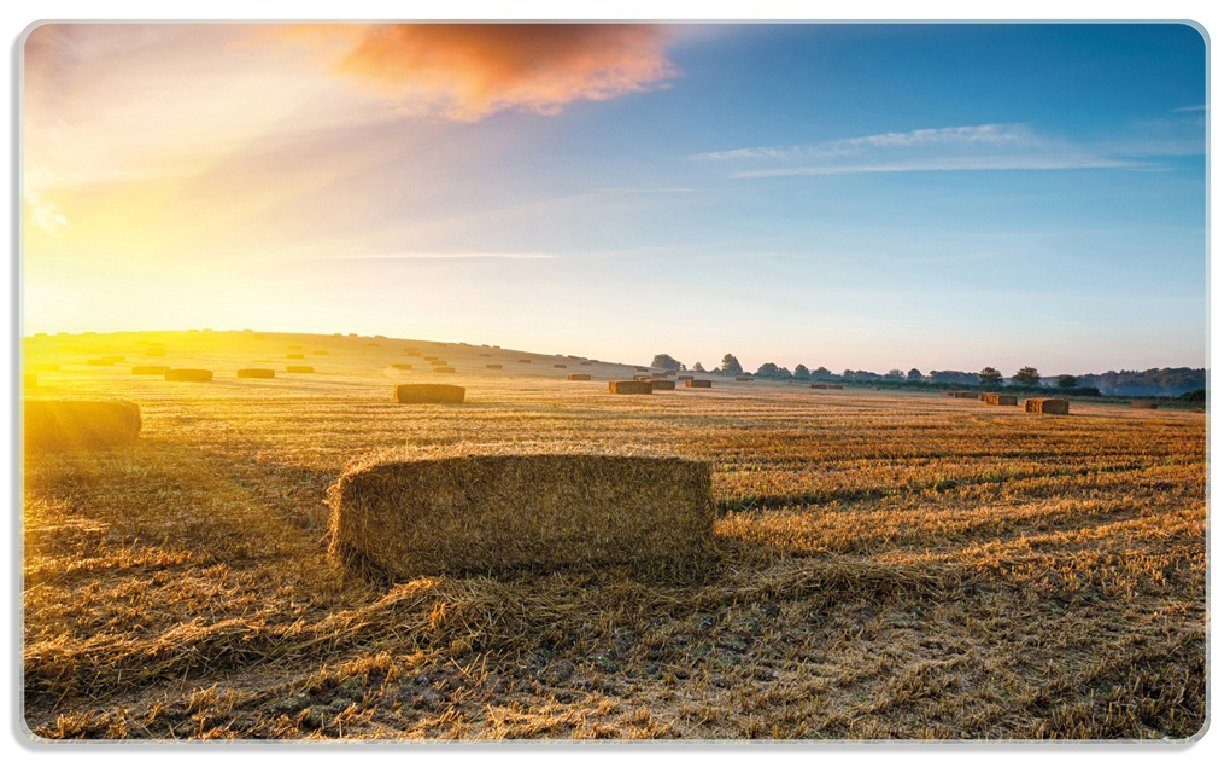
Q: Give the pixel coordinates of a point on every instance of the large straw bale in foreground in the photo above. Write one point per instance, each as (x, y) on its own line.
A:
(188, 374)
(71, 424)
(1046, 405)
(429, 393)
(630, 388)
(501, 512)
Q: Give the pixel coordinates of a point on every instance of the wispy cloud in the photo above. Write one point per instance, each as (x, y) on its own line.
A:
(984, 147)
(1184, 109)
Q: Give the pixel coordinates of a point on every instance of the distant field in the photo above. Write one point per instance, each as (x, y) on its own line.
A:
(892, 564)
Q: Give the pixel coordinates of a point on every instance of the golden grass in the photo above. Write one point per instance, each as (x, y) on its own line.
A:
(69, 424)
(889, 565)
(414, 513)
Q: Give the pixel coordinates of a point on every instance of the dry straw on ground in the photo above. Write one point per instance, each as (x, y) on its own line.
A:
(459, 512)
(1046, 405)
(698, 383)
(70, 424)
(428, 393)
(99, 362)
(629, 387)
(579, 377)
(188, 374)
(255, 373)
(300, 369)
(151, 370)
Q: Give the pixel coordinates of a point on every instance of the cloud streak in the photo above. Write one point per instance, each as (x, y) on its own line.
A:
(467, 72)
(984, 147)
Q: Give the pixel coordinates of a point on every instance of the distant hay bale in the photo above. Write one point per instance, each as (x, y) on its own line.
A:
(967, 394)
(950, 393)
(560, 365)
(294, 347)
(494, 365)
(819, 386)
(294, 356)
(401, 366)
(837, 386)
(525, 360)
(1046, 405)
(586, 363)
(72, 424)
(998, 398)
(662, 384)
(698, 383)
(300, 369)
(507, 512)
(1147, 404)
(444, 370)
(352, 334)
(635, 387)
(579, 377)
(151, 370)
(255, 373)
(428, 393)
(188, 374)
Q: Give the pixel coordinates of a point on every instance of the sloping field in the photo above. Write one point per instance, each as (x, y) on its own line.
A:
(891, 565)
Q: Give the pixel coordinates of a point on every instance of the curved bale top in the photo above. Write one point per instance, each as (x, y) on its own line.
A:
(629, 388)
(428, 393)
(188, 374)
(489, 513)
(80, 424)
(255, 373)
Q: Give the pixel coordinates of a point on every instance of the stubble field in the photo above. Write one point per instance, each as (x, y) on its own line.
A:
(891, 565)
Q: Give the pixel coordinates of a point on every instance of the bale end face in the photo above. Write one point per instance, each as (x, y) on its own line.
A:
(255, 373)
(188, 374)
(490, 514)
(630, 388)
(428, 393)
(80, 424)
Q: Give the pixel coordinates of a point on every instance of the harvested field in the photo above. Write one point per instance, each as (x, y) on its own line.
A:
(888, 565)
(295, 356)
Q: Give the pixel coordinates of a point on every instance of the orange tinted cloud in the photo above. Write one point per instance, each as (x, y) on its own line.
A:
(467, 71)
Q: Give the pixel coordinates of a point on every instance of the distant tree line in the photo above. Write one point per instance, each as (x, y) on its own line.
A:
(1155, 382)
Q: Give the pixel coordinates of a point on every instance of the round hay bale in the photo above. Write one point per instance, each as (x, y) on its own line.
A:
(73, 424)
(698, 383)
(188, 374)
(300, 369)
(255, 373)
(444, 370)
(1046, 405)
(508, 512)
(634, 387)
(151, 370)
(429, 393)
(579, 377)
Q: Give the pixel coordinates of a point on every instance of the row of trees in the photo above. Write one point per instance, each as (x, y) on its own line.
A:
(1027, 376)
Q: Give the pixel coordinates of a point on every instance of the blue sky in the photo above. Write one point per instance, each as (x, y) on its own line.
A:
(857, 196)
